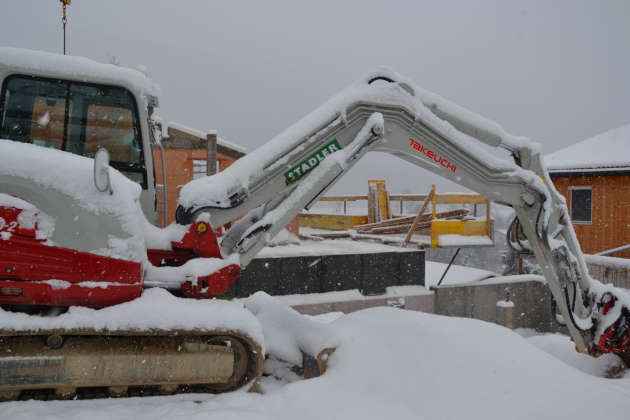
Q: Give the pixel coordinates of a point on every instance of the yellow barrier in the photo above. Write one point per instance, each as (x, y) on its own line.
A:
(379, 211)
(457, 227)
(330, 221)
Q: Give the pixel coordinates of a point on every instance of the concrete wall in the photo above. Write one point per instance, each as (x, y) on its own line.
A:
(420, 302)
(532, 303)
(370, 273)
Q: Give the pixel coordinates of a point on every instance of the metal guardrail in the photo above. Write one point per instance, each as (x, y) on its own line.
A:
(474, 199)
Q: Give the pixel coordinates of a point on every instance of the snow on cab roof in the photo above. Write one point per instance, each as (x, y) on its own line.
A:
(45, 64)
(605, 152)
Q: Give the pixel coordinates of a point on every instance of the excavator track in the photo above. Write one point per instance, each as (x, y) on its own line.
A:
(84, 363)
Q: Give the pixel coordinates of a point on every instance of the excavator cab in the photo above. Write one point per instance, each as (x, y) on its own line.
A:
(78, 106)
(75, 117)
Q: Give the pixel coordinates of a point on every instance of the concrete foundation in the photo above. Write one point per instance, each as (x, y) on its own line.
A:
(419, 300)
(346, 283)
(370, 273)
(531, 298)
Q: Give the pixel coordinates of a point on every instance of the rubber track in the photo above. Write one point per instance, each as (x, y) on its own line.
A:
(250, 379)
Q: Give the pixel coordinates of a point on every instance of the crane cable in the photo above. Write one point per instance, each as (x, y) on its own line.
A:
(64, 21)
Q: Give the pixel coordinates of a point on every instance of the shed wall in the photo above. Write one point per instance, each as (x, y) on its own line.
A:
(610, 226)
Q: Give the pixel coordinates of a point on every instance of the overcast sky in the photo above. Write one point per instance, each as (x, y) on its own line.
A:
(555, 71)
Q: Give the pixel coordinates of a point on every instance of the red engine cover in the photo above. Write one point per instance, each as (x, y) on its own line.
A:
(32, 273)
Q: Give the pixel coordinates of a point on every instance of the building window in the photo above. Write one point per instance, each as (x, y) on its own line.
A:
(581, 204)
(200, 168)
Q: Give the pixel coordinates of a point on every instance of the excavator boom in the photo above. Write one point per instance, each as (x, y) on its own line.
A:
(388, 113)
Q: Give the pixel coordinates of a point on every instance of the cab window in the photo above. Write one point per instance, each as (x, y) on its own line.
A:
(75, 117)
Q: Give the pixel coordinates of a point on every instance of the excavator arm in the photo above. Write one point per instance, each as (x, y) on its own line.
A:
(388, 113)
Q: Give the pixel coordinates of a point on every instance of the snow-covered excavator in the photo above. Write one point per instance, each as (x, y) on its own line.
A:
(77, 203)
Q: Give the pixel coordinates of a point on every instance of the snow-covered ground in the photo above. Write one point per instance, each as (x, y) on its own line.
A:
(390, 363)
(327, 247)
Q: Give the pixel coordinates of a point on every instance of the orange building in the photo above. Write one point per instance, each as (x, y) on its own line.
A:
(187, 154)
(594, 177)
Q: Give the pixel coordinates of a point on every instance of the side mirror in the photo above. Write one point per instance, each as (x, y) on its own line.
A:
(101, 171)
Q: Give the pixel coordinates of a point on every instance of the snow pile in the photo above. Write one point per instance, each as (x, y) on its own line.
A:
(287, 332)
(562, 348)
(155, 309)
(392, 364)
(606, 151)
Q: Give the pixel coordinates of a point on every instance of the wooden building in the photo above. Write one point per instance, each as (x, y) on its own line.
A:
(189, 154)
(594, 177)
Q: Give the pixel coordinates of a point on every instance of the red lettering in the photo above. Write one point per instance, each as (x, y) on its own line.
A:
(431, 154)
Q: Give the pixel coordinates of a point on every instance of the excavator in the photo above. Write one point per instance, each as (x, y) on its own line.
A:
(78, 203)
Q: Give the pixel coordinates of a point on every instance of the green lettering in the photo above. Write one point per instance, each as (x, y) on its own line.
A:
(299, 170)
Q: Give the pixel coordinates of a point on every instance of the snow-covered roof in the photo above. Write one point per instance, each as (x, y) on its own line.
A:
(230, 145)
(186, 129)
(202, 135)
(609, 151)
(44, 64)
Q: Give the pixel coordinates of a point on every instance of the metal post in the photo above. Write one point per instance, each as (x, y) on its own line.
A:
(449, 266)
